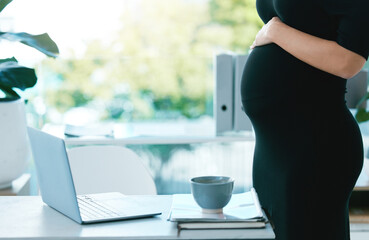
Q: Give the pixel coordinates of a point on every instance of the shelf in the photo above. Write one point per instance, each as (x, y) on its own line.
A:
(153, 133)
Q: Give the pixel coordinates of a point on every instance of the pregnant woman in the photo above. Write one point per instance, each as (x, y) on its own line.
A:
(308, 152)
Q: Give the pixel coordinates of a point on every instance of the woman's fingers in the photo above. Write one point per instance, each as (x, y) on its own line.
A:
(262, 36)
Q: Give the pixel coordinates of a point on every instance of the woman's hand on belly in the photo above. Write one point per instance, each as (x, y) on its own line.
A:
(320, 53)
(262, 37)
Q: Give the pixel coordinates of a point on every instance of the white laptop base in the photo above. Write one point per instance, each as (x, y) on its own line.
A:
(110, 207)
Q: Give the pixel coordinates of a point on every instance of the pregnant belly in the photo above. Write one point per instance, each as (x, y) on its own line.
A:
(273, 81)
(272, 78)
(271, 71)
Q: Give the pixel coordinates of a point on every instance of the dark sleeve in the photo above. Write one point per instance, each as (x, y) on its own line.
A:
(351, 17)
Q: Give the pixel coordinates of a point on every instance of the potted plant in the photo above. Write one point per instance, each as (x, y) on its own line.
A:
(14, 146)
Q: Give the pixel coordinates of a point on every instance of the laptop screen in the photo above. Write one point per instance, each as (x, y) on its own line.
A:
(54, 174)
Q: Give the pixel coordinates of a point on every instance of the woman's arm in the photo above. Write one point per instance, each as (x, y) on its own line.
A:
(323, 54)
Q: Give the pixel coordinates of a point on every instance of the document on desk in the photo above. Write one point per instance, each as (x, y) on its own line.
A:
(242, 207)
(243, 211)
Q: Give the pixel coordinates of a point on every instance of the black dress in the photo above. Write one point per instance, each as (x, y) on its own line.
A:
(308, 151)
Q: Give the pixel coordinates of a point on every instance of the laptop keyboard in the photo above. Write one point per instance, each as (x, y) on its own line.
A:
(91, 209)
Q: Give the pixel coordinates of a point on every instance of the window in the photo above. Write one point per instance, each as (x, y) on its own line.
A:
(134, 61)
(128, 60)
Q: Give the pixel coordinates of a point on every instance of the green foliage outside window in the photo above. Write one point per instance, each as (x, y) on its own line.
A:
(159, 65)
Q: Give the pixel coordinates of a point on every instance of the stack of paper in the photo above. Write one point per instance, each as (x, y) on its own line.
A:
(243, 211)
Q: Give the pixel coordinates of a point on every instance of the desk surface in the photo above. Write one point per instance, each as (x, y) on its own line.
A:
(29, 217)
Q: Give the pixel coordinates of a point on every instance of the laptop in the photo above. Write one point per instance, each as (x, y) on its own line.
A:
(57, 188)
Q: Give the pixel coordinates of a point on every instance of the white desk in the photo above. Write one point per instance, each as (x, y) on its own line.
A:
(29, 218)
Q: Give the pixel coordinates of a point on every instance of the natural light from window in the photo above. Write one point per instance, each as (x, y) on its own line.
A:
(127, 60)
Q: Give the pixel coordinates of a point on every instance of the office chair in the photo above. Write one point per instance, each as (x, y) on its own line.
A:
(98, 169)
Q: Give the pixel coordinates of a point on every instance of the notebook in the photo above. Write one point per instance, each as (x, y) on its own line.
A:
(243, 211)
(57, 188)
(242, 207)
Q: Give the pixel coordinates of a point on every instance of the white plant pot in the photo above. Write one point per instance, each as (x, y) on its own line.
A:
(14, 145)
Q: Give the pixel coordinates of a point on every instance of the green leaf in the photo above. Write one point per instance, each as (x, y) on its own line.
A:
(4, 3)
(10, 94)
(13, 75)
(362, 115)
(8, 60)
(42, 42)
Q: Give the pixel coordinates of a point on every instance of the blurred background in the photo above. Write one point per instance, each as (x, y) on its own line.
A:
(127, 61)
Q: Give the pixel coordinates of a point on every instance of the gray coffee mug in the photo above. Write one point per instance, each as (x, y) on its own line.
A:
(212, 193)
